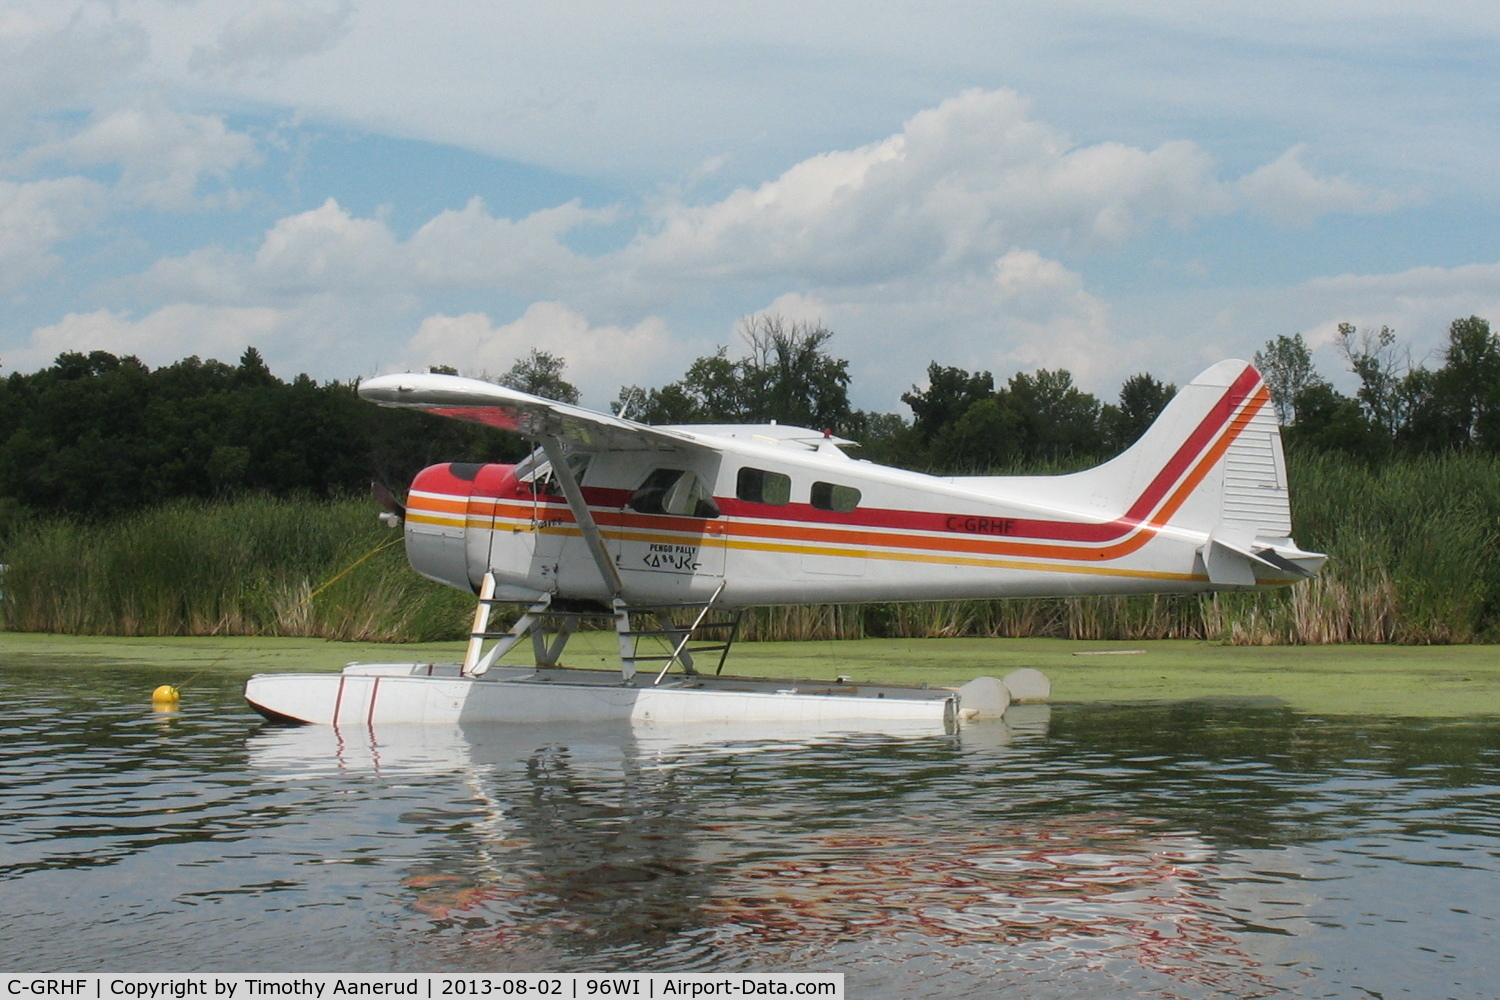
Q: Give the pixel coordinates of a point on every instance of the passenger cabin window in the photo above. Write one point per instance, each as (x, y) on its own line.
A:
(760, 486)
(832, 496)
(673, 491)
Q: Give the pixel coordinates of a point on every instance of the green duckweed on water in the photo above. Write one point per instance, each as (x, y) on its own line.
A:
(1424, 681)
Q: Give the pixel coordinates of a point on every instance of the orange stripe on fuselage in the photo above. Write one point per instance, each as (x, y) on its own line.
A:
(869, 540)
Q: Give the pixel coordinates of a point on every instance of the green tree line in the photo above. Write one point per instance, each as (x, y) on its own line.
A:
(1400, 406)
(961, 421)
(97, 435)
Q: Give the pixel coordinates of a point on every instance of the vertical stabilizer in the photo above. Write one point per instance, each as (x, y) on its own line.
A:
(1212, 459)
(1210, 466)
(1213, 463)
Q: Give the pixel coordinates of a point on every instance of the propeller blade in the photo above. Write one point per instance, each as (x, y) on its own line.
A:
(387, 499)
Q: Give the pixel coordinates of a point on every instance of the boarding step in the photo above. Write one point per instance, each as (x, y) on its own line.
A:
(704, 627)
(664, 657)
(685, 630)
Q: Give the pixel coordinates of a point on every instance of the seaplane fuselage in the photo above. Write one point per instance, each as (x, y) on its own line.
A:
(753, 515)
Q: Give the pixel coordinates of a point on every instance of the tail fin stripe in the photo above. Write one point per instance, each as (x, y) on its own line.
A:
(1149, 529)
(1243, 388)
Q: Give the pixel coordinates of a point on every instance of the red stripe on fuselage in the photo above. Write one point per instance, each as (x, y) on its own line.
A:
(1212, 422)
(872, 517)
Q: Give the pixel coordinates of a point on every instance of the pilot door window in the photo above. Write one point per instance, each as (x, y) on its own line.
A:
(543, 480)
(832, 496)
(760, 486)
(673, 491)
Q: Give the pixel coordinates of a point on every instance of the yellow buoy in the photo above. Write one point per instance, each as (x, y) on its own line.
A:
(165, 698)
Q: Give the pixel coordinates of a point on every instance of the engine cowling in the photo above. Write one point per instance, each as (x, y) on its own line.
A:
(449, 512)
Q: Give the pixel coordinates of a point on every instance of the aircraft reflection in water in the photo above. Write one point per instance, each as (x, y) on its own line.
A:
(687, 850)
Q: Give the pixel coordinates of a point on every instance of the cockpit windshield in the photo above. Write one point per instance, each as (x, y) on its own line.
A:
(536, 468)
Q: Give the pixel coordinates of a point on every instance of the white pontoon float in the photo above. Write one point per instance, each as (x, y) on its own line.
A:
(379, 693)
(479, 691)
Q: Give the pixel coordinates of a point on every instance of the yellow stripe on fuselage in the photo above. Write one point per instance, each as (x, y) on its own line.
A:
(789, 548)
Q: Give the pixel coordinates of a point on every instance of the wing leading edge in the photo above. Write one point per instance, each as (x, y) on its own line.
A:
(512, 410)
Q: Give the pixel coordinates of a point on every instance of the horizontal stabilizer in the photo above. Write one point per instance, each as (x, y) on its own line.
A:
(1231, 559)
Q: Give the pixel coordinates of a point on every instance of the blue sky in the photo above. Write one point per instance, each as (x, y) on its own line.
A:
(358, 187)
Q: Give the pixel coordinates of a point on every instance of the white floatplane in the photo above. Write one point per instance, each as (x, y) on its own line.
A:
(670, 532)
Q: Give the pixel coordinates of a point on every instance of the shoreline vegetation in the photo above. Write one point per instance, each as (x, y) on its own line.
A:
(1451, 682)
(203, 498)
(1413, 544)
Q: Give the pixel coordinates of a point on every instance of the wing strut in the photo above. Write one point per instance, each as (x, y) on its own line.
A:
(554, 450)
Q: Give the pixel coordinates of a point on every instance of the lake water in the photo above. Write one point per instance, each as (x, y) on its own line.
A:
(1184, 851)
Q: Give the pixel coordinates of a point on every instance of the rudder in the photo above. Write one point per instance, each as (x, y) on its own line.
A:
(1211, 459)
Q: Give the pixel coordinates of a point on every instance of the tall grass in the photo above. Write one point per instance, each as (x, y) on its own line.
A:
(256, 566)
(1414, 550)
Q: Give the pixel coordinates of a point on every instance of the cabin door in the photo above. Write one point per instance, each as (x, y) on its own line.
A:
(672, 527)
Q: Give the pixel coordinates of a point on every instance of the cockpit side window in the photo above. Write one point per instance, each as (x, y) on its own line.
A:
(674, 491)
(832, 496)
(760, 486)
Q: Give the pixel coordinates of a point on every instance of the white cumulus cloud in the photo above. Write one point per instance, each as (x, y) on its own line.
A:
(1023, 311)
(162, 154)
(959, 184)
(329, 250)
(600, 358)
(956, 239)
(163, 336)
(1292, 195)
(52, 56)
(470, 248)
(35, 217)
(270, 34)
(1418, 303)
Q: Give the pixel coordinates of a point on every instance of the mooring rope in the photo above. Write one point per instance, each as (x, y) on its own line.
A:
(345, 571)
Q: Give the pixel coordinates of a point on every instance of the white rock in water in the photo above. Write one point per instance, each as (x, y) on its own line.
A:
(1028, 686)
(984, 697)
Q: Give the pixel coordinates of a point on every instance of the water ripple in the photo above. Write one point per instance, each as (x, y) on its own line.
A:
(1186, 851)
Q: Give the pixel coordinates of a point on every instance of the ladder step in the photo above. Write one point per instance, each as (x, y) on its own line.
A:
(668, 656)
(707, 632)
(652, 609)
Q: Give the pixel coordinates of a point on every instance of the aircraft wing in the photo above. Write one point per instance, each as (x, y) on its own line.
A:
(513, 410)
